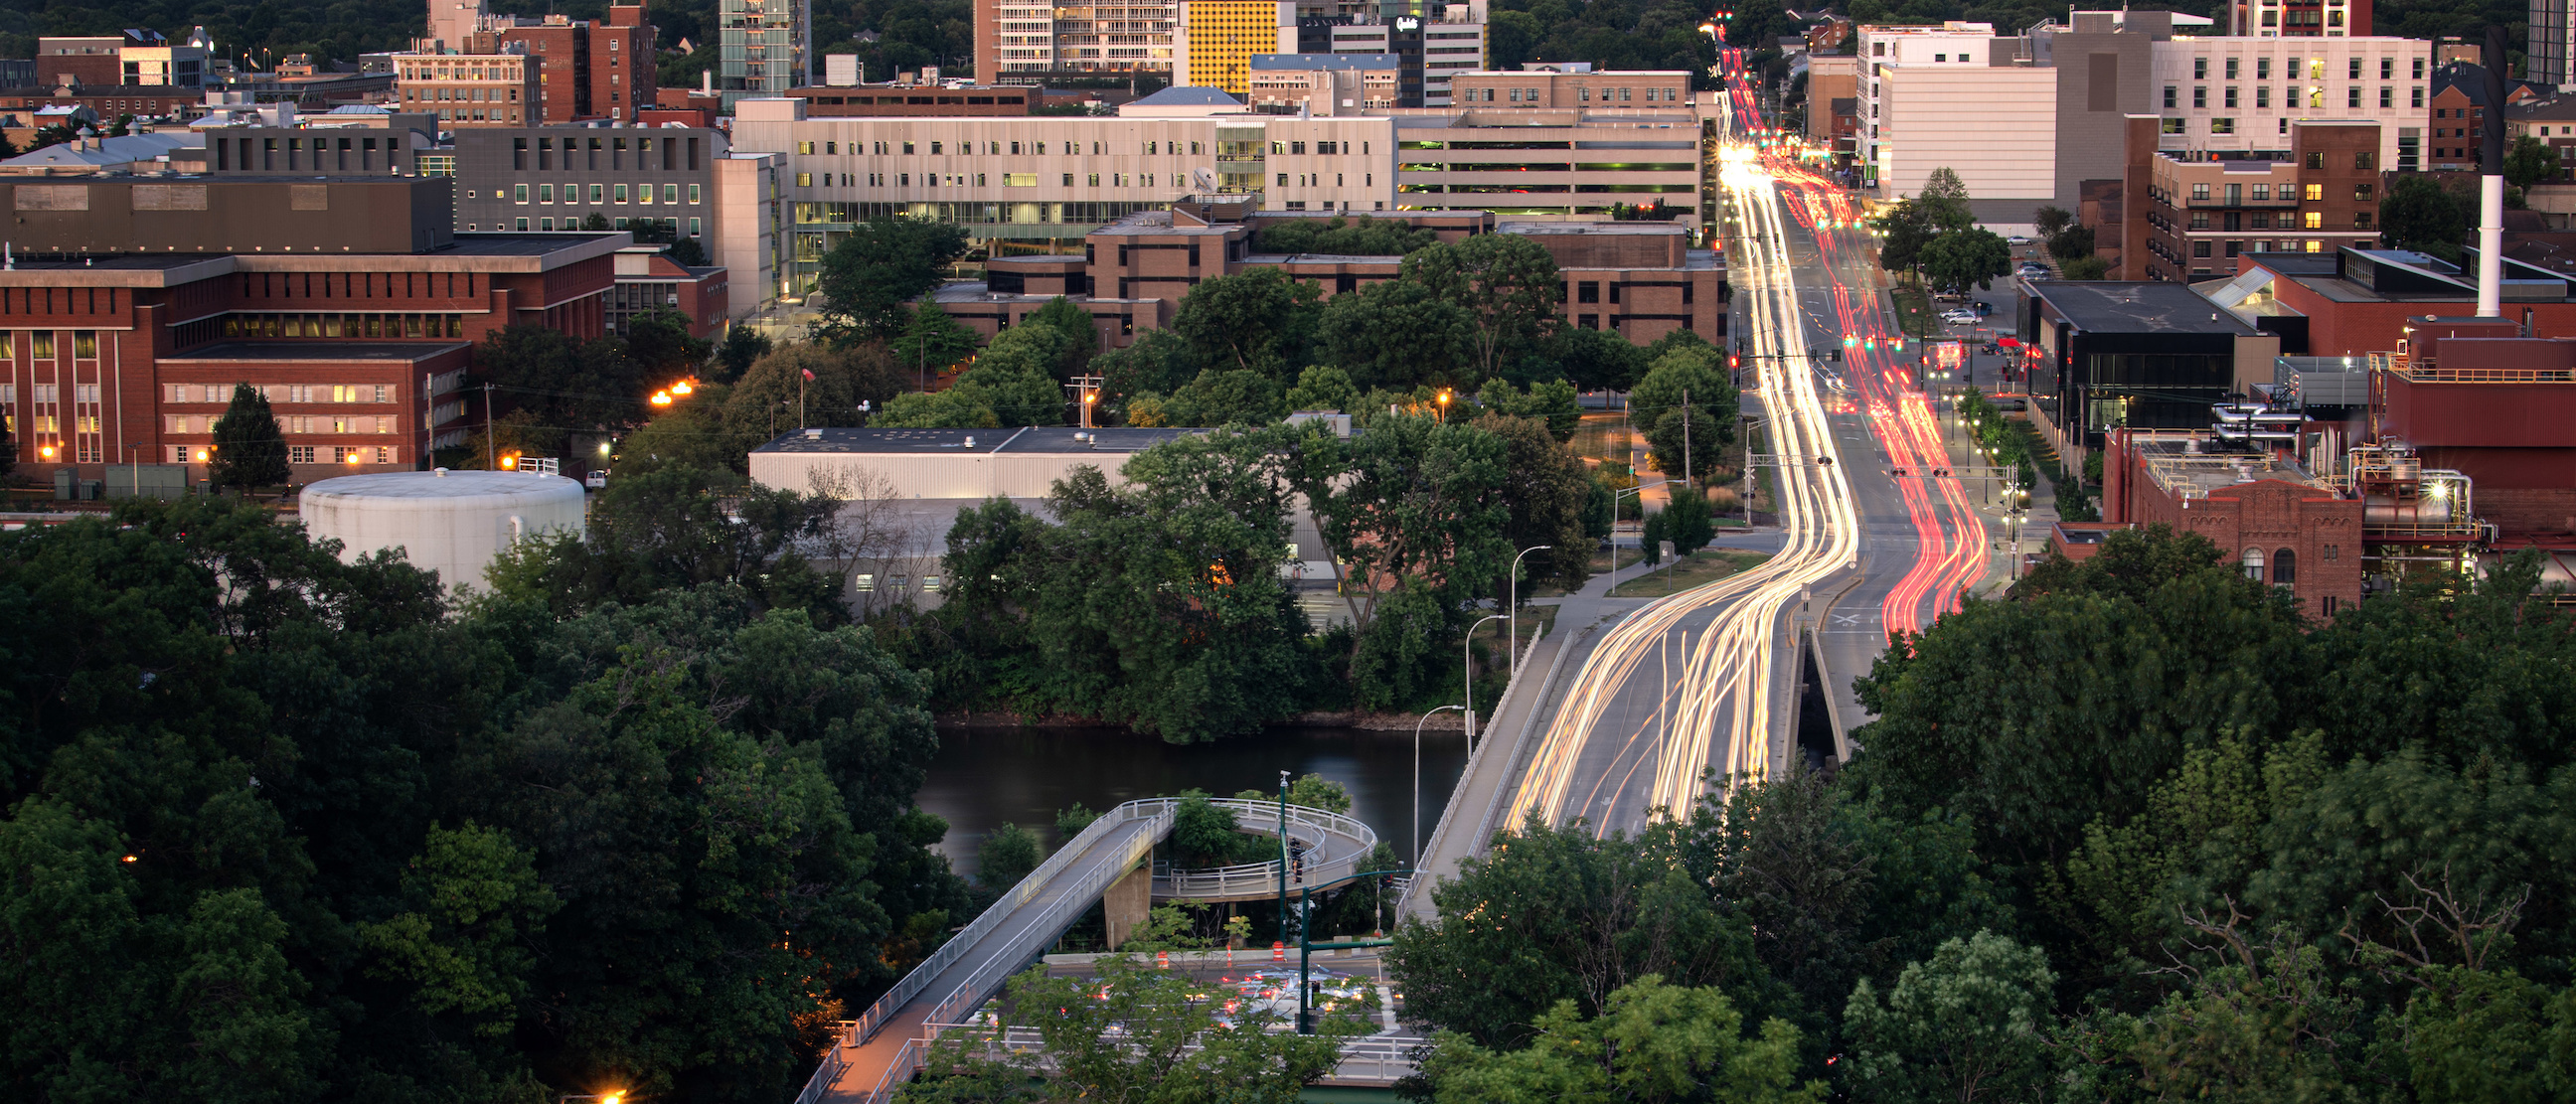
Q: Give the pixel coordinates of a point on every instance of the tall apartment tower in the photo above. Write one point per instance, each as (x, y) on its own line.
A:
(2550, 59)
(588, 69)
(763, 46)
(2313, 18)
(1022, 41)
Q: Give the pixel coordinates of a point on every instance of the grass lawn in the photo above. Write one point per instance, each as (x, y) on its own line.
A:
(1707, 565)
(1913, 311)
(1532, 619)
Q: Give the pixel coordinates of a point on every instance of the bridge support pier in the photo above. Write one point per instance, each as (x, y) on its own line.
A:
(1127, 902)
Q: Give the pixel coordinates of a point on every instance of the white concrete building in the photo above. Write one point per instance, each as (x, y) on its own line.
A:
(2224, 98)
(1994, 126)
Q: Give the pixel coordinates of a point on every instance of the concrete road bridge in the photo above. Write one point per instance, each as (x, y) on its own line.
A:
(1105, 863)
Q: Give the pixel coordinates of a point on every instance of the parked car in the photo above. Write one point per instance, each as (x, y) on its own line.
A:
(2017, 240)
(595, 479)
(2031, 272)
(1982, 308)
(1959, 317)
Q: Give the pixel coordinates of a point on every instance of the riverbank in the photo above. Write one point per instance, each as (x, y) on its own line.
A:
(1450, 721)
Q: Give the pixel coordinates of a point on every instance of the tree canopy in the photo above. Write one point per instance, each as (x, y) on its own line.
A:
(883, 263)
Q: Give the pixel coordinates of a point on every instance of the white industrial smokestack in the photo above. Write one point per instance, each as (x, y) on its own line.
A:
(2491, 183)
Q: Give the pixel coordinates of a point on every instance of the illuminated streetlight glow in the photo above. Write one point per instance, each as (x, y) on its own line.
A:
(661, 398)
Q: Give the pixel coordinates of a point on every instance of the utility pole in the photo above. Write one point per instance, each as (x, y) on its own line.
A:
(491, 452)
(1686, 442)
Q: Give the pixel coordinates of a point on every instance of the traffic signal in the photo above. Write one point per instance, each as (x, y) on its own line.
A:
(1734, 360)
(1838, 356)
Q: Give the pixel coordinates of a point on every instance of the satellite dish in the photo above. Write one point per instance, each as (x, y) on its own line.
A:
(1204, 179)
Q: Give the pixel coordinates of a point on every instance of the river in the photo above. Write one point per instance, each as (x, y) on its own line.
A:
(986, 776)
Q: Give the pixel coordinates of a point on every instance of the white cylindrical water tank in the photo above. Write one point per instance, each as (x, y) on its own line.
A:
(450, 522)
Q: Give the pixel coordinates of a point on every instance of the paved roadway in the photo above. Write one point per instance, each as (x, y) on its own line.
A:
(1706, 680)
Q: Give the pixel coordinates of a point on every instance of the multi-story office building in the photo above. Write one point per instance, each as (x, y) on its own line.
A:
(553, 179)
(1040, 184)
(2241, 97)
(1019, 42)
(1429, 53)
(763, 46)
(1217, 39)
(2551, 58)
(497, 89)
(149, 60)
(590, 69)
(1322, 84)
(2305, 19)
(523, 179)
(136, 303)
(81, 59)
(2029, 119)
(2203, 214)
(1640, 280)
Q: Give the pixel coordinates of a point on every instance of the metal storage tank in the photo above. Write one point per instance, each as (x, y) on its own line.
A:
(450, 522)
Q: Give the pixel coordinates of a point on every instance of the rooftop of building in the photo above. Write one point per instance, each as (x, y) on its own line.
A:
(1187, 96)
(1309, 62)
(1161, 222)
(1637, 229)
(120, 150)
(2193, 465)
(313, 351)
(1027, 440)
(2135, 307)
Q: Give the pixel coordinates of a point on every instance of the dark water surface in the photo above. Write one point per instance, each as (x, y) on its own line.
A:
(986, 776)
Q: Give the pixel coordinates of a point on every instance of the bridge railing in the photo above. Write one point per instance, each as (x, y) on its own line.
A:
(1060, 912)
(1321, 865)
(1386, 1058)
(922, 975)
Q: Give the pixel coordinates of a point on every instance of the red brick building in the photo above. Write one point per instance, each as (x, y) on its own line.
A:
(2276, 521)
(1640, 280)
(599, 69)
(2354, 302)
(132, 310)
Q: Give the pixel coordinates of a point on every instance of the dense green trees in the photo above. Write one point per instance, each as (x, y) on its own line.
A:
(2418, 213)
(1160, 603)
(284, 828)
(249, 449)
(1134, 1034)
(883, 264)
(1357, 237)
(1687, 399)
(2143, 830)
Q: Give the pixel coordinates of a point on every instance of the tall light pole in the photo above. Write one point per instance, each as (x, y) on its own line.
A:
(1467, 650)
(1512, 652)
(1417, 791)
(1639, 491)
(1283, 856)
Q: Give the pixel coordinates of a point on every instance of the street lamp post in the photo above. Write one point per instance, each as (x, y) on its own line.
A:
(1637, 490)
(1512, 652)
(1417, 792)
(1467, 653)
(1283, 856)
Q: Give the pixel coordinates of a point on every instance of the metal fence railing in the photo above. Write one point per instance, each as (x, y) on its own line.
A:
(1369, 1058)
(1336, 845)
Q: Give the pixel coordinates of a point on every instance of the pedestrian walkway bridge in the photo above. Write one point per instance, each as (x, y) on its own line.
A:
(882, 1048)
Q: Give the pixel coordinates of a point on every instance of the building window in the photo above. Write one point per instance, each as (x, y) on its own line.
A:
(2199, 96)
(2254, 564)
(2352, 96)
(2171, 93)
